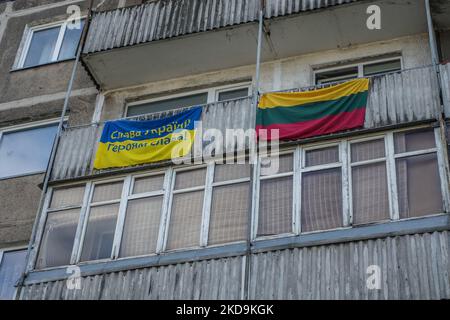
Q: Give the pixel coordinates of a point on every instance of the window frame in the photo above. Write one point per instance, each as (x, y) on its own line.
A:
(212, 95)
(359, 65)
(12, 249)
(59, 41)
(26, 127)
(299, 151)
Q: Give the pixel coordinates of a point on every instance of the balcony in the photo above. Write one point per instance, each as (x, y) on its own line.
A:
(169, 39)
(394, 99)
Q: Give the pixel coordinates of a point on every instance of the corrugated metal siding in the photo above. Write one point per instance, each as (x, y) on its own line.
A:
(412, 267)
(171, 18)
(209, 279)
(411, 95)
(445, 74)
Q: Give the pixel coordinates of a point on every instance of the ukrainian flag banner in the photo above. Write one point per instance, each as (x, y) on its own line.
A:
(126, 143)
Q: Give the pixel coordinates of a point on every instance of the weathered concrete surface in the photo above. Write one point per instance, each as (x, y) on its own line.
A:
(39, 80)
(80, 111)
(293, 72)
(444, 41)
(19, 199)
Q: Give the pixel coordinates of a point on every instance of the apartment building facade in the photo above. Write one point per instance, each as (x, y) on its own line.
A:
(360, 214)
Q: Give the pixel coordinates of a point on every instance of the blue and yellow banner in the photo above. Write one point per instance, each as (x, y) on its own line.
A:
(127, 143)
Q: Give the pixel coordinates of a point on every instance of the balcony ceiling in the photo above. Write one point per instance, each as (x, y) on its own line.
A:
(441, 13)
(336, 27)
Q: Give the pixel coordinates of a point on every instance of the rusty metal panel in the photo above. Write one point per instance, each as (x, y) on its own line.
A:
(411, 267)
(171, 18)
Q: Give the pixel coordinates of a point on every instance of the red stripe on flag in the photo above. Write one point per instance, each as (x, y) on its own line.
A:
(317, 127)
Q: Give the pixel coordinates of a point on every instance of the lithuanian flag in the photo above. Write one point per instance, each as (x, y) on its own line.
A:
(312, 113)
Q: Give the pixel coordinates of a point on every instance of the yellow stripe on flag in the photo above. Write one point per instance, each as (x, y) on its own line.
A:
(294, 99)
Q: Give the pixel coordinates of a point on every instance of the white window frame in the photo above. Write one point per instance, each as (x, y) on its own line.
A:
(26, 127)
(29, 36)
(360, 66)
(299, 168)
(212, 95)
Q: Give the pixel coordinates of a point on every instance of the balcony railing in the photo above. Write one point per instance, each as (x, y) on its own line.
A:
(397, 98)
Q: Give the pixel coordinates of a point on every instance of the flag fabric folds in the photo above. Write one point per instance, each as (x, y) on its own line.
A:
(312, 113)
(125, 142)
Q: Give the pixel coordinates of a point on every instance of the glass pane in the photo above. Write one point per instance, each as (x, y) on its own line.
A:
(99, 235)
(226, 172)
(70, 42)
(368, 150)
(285, 164)
(57, 241)
(321, 200)
(42, 47)
(229, 214)
(188, 179)
(141, 228)
(169, 104)
(382, 67)
(414, 140)
(370, 194)
(65, 197)
(418, 184)
(25, 152)
(275, 206)
(322, 156)
(337, 75)
(107, 191)
(11, 268)
(148, 184)
(233, 94)
(185, 220)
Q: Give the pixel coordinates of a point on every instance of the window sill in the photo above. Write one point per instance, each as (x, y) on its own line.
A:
(40, 65)
(433, 223)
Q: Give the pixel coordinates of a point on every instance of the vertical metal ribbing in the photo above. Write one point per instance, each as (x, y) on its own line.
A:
(444, 101)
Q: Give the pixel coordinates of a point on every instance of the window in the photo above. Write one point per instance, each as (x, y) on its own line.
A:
(25, 151)
(275, 197)
(186, 210)
(365, 69)
(343, 184)
(417, 166)
(101, 223)
(230, 94)
(50, 43)
(62, 221)
(12, 264)
(369, 184)
(143, 216)
(321, 195)
(169, 104)
(230, 204)
(188, 100)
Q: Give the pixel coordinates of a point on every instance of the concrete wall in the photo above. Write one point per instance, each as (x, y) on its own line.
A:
(35, 94)
(280, 74)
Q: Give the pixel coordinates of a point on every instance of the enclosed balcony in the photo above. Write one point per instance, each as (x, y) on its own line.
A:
(163, 40)
(400, 98)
